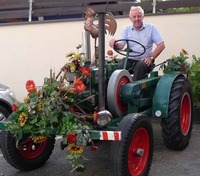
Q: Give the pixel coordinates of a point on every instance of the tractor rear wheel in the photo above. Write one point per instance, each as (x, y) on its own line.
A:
(30, 157)
(132, 156)
(176, 129)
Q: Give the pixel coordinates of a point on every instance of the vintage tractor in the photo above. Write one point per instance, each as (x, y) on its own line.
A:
(125, 109)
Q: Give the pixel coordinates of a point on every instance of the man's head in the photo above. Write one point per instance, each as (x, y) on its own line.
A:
(136, 16)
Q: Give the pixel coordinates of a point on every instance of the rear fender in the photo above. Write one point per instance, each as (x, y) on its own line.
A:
(162, 93)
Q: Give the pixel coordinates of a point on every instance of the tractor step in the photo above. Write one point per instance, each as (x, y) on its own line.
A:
(106, 135)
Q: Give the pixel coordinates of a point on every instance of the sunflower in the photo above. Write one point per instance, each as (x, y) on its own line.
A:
(22, 119)
(79, 86)
(39, 106)
(75, 149)
(39, 139)
(184, 52)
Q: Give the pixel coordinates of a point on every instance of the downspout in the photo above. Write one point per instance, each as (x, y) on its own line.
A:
(30, 10)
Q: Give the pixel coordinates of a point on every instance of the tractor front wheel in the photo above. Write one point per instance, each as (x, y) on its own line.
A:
(132, 156)
(176, 129)
(30, 156)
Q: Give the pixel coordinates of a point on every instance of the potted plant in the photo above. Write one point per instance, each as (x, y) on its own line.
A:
(177, 63)
(194, 78)
(73, 67)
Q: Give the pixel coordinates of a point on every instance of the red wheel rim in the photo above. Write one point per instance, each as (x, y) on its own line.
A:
(185, 113)
(138, 152)
(122, 81)
(32, 150)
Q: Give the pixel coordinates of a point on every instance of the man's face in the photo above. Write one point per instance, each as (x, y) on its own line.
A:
(136, 18)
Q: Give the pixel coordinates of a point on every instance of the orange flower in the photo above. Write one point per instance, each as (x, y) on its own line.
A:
(79, 86)
(30, 86)
(85, 71)
(110, 52)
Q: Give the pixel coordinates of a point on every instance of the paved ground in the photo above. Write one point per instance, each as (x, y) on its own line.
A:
(165, 161)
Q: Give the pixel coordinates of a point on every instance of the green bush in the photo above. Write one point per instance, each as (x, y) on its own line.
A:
(194, 78)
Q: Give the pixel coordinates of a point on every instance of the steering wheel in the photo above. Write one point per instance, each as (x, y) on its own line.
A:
(126, 52)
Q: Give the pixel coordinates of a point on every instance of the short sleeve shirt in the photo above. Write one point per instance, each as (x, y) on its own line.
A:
(147, 36)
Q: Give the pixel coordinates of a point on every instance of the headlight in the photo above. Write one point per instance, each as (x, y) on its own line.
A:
(104, 118)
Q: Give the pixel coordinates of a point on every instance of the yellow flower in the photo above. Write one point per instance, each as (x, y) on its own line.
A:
(72, 67)
(77, 56)
(39, 139)
(75, 149)
(22, 119)
(39, 106)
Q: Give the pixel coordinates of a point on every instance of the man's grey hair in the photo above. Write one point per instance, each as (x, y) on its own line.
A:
(136, 8)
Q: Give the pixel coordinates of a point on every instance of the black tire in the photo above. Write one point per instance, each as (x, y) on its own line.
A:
(177, 128)
(137, 136)
(4, 113)
(33, 157)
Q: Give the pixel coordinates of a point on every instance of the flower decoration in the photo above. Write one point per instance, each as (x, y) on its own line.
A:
(110, 58)
(30, 86)
(75, 149)
(85, 71)
(71, 138)
(22, 119)
(177, 63)
(110, 53)
(75, 68)
(14, 107)
(79, 86)
(76, 61)
(58, 107)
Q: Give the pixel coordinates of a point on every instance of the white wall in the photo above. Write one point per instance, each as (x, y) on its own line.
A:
(28, 51)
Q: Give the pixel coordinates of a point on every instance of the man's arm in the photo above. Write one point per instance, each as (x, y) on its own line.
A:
(159, 48)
